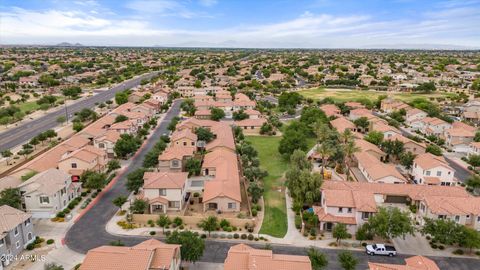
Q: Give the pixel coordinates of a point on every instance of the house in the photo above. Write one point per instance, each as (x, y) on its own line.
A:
(173, 158)
(17, 232)
(474, 148)
(413, 115)
(150, 254)
(164, 191)
(88, 158)
(251, 125)
(389, 105)
(352, 203)
(387, 130)
(431, 126)
(341, 124)
(412, 263)
(203, 114)
(330, 110)
(354, 105)
(136, 96)
(106, 142)
(409, 145)
(243, 257)
(428, 169)
(48, 192)
(183, 137)
(357, 113)
(376, 171)
(459, 137)
(371, 149)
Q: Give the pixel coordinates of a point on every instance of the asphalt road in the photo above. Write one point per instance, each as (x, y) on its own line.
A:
(23, 133)
(89, 231)
(461, 173)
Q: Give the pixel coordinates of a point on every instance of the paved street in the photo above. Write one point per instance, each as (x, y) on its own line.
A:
(461, 173)
(22, 133)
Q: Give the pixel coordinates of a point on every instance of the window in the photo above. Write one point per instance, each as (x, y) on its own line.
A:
(340, 210)
(27, 222)
(365, 215)
(2, 242)
(16, 231)
(184, 143)
(74, 165)
(44, 200)
(174, 204)
(162, 192)
(232, 205)
(175, 163)
(441, 216)
(478, 219)
(349, 210)
(439, 173)
(427, 173)
(17, 244)
(101, 145)
(457, 218)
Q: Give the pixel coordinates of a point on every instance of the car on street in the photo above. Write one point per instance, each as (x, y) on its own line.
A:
(380, 249)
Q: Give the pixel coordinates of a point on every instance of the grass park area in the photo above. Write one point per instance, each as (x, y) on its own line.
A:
(344, 95)
(275, 215)
(275, 218)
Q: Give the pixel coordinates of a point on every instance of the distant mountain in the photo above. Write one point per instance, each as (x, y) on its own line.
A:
(67, 44)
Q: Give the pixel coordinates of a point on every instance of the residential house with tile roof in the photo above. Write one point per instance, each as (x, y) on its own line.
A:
(243, 257)
(148, 255)
(173, 158)
(48, 192)
(459, 137)
(428, 169)
(16, 233)
(330, 110)
(164, 191)
(184, 137)
(376, 171)
(88, 158)
(412, 263)
(410, 145)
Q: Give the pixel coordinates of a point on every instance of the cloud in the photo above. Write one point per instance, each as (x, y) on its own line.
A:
(208, 3)
(443, 26)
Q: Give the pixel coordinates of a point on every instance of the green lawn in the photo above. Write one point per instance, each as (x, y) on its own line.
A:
(28, 106)
(275, 218)
(343, 95)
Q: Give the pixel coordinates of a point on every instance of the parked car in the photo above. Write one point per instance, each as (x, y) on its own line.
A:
(380, 249)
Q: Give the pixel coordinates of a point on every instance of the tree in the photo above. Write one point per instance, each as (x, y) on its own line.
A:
(139, 206)
(393, 148)
(340, 232)
(445, 231)
(474, 183)
(119, 201)
(256, 191)
(434, 149)
(93, 180)
(204, 134)
(406, 159)
(192, 245)
(61, 119)
(293, 138)
(72, 92)
(112, 165)
(318, 260)
(120, 118)
(239, 115)
(347, 260)
(299, 161)
(375, 137)
(474, 160)
(304, 186)
(362, 123)
(363, 233)
(163, 221)
(135, 180)
(469, 238)
(7, 154)
(77, 126)
(52, 266)
(477, 137)
(188, 106)
(325, 150)
(426, 87)
(193, 166)
(126, 145)
(391, 222)
(349, 149)
(121, 97)
(11, 197)
(254, 173)
(209, 224)
(216, 114)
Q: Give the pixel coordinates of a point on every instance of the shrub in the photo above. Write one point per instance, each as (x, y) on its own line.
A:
(234, 228)
(224, 223)
(250, 237)
(458, 252)
(60, 215)
(243, 236)
(298, 222)
(254, 212)
(50, 241)
(441, 247)
(477, 253)
(223, 235)
(434, 246)
(229, 236)
(203, 236)
(66, 211)
(227, 229)
(167, 233)
(428, 237)
(178, 221)
(84, 193)
(30, 246)
(153, 232)
(236, 235)
(181, 227)
(313, 232)
(256, 239)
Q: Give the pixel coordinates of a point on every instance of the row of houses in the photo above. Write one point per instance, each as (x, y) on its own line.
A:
(56, 173)
(218, 182)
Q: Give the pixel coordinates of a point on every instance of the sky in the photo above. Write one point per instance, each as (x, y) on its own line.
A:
(244, 23)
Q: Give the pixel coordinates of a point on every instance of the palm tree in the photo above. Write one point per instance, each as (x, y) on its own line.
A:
(346, 136)
(322, 131)
(325, 150)
(350, 148)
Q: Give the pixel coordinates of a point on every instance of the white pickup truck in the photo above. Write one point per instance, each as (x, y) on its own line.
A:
(380, 249)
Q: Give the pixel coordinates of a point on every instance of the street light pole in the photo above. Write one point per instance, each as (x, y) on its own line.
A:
(66, 109)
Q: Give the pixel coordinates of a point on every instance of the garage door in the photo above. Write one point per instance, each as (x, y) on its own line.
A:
(396, 199)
